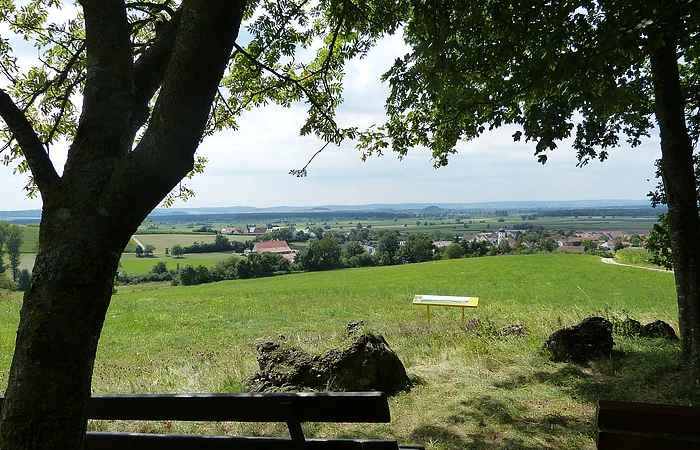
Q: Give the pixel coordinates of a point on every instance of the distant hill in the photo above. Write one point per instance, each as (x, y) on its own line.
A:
(34, 215)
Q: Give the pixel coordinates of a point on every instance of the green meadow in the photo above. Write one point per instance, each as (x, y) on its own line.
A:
(133, 265)
(474, 389)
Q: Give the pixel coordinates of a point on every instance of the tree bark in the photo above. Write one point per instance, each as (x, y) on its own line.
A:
(679, 182)
(107, 189)
(60, 324)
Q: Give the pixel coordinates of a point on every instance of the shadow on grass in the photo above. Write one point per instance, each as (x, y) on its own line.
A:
(655, 375)
(645, 371)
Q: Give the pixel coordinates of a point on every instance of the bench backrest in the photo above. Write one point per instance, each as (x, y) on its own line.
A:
(351, 407)
(291, 408)
(647, 426)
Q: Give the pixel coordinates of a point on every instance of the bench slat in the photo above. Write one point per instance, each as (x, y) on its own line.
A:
(648, 418)
(350, 407)
(139, 441)
(616, 441)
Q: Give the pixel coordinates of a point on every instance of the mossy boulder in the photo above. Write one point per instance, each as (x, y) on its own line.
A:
(590, 339)
(366, 364)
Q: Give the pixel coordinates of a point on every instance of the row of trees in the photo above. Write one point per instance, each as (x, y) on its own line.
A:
(255, 265)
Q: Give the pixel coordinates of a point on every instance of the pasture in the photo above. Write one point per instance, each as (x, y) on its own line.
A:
(133, 265)
(161, 241)
(474, 389)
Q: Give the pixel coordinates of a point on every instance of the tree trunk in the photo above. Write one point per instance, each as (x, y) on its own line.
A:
(679, 182)
(61, 320)
(107, 188)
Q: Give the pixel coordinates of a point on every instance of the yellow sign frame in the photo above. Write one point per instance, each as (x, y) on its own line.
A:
(446, 300)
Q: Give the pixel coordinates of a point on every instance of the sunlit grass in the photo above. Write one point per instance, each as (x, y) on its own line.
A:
(474, 389)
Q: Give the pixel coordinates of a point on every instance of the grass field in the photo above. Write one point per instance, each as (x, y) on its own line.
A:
(30, 238)
(133, 265)
(475, 390)
(163, 241)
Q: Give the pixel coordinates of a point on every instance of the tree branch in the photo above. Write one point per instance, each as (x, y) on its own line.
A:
(62, 76)
(145, 6)
(108, 91)
(150, 68)
(289, 79)
(62, 111)
(202, 48)
(301, 173)
(43, 170)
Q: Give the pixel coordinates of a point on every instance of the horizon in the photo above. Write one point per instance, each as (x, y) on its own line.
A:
(407, 206)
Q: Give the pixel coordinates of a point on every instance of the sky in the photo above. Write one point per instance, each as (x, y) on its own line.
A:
(250, 166)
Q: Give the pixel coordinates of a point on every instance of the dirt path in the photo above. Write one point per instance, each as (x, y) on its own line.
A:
(613, 262)
(138, 242)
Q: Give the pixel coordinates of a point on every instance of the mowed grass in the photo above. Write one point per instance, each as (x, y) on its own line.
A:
(474, 389)
(133, 265)
(163, 241)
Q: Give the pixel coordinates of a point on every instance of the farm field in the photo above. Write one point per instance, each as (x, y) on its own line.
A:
(474, 389)
(448, 225)
(133, 265)
(163, 241)
(627, 224)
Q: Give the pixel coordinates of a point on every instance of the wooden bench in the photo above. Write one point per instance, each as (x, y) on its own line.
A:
(291, 408)
(642, 426)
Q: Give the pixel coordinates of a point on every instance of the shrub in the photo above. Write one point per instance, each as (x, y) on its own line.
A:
(7, 284)
(23, 280)
(454, 251)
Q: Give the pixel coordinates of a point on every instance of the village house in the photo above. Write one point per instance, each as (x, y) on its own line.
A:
(279, 247)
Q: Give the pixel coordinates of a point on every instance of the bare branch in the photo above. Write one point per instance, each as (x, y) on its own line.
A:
(43, 170)
(301, 173)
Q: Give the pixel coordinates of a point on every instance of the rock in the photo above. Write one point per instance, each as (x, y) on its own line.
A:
(282, 367)
(628, 327)
(659, 330)
(355, 328)
(512, 330)
(590, 339)
(368, 363)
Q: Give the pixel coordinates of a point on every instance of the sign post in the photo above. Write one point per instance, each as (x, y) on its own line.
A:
(446, 300)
